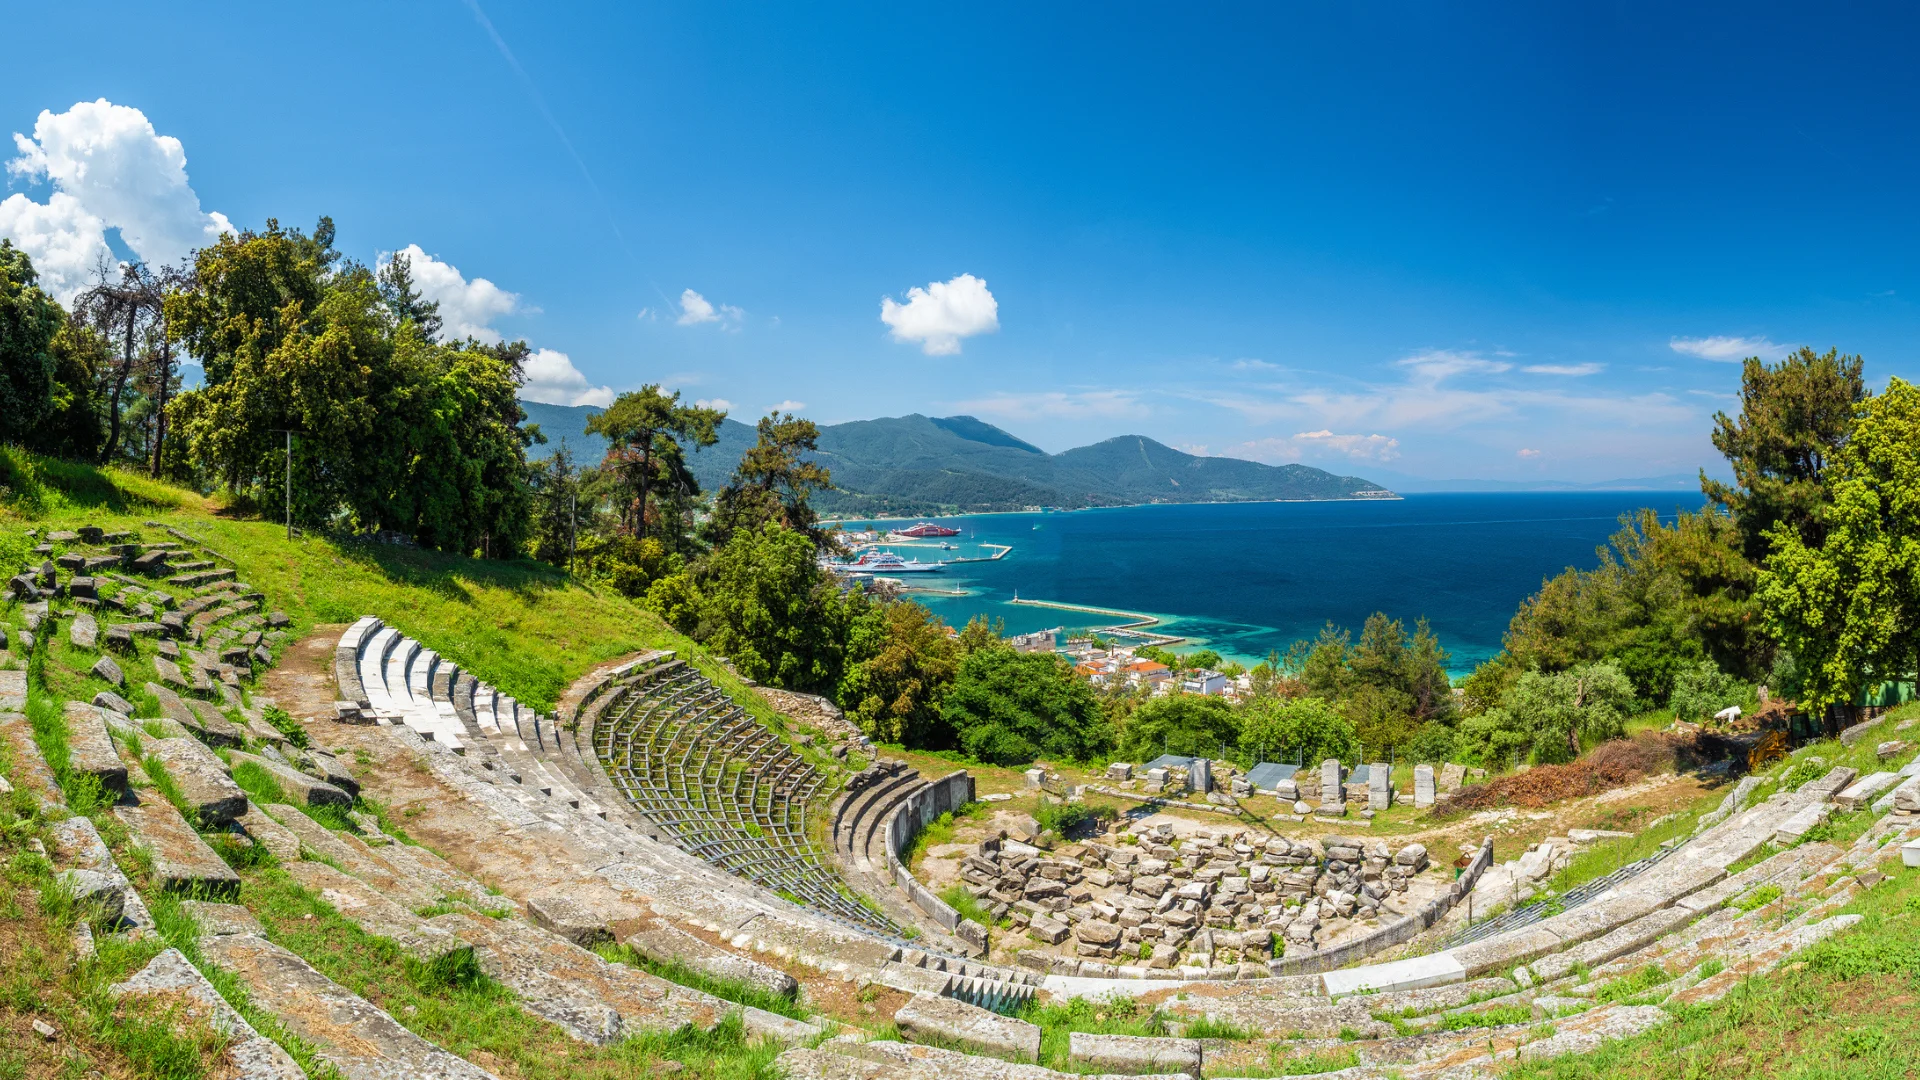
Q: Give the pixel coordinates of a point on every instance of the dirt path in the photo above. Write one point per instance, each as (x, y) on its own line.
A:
(302, 683)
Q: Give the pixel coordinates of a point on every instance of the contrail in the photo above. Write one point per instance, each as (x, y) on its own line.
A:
(540, 103)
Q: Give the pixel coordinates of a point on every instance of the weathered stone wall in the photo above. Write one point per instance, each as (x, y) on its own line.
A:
(914, 813)
(1398, 932)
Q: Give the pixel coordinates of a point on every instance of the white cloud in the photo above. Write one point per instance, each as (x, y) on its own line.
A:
(64, 241)
(1434, 365)
(696, 309)
(552, 379)
(1526, 453)
(787, 406)
(1058, 405)
(115, 172)
(467, 308)
(1729, 349)
(1564, 369)
(1250, 364)
(715, 403)
(939, 315)
(1358, 447)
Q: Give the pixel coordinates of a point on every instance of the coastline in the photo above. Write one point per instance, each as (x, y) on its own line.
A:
(1387, 496)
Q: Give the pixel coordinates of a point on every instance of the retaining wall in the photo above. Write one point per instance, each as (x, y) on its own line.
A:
(1398, 932)
(904, 822)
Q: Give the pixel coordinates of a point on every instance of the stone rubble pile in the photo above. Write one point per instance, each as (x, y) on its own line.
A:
(1220, 897)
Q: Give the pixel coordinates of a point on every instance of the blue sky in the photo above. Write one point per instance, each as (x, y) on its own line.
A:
(1503, 241)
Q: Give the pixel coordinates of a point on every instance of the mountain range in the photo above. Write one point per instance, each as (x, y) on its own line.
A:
(919, 465)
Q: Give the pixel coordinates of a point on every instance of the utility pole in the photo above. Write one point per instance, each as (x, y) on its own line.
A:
(289, 432)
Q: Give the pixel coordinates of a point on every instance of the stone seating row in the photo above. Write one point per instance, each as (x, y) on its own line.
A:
(720, 785)
(663, 879)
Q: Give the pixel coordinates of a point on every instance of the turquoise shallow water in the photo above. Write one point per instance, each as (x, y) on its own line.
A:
(1244, 578)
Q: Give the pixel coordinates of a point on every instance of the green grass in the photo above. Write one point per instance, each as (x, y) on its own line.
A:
(1758, 898)
(41, 976)
(738, 991)
(1629, 987)
(940, 829)
(455, 1005)
(1841, 1010)
(1278, 1063)
(1498, 1016)
(1112, 1016)
(968, 905)
(285, 724)
(525, 627)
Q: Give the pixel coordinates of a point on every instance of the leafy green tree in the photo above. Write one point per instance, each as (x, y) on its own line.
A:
(392, 432)
(894, 694)
(1702, 690)
(1191, 725)
(1664, 597)
(1310, 729)
(1848, 606)
(1547, 717)
(1795, 416)
(980, 633)
(775, 480)
(1009, 708)
(29, 319)
(645, 430)
(1433, 743)
(1388, 683)
(73, 430)
(404, 301)
(762, 601)
(555, 486)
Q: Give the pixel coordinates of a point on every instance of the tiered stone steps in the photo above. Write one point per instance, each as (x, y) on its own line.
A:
(860, 837)
(720, 785)
(663, 877)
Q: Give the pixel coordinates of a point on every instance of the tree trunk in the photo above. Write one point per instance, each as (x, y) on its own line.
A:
(160, 410)
(119, 384)
(646, 467)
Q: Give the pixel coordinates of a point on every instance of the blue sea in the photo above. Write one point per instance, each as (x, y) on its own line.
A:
(1246, 578)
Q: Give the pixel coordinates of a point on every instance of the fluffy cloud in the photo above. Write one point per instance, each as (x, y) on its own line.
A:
(552, 379)
(109, 170)
(1564, 369)
(939, 315)
(715, 403)
(1730, 350)
(467, 308)
(1058, 405)
(1526, 453)
(64, 241)
(1358, 447)
(696, 309)
(787, 406)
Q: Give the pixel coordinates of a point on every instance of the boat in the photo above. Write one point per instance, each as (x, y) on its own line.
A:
(885, 562)
(926, 529)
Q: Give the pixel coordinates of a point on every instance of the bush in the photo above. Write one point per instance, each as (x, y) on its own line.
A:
(1061, 817)
(1702, 689)
(1009, 708)
(1434, 742)
(1192, 725)
(1310, 728)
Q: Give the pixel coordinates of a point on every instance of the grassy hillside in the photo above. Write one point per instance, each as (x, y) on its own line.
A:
(523, 626)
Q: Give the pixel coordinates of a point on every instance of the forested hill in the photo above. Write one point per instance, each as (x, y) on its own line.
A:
(924, 465)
